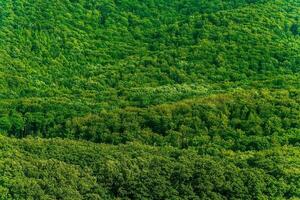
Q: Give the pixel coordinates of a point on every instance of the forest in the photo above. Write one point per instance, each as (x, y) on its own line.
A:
(152, 99)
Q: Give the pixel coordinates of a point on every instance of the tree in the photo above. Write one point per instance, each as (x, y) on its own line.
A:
(5, 124)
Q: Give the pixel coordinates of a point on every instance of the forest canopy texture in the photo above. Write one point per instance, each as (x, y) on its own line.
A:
(152, 99)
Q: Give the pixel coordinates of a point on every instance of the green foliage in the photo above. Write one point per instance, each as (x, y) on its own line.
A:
(242, 120)
(65, 169)
(190, 99)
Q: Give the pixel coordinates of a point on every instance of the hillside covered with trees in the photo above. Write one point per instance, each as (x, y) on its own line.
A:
(153, 99)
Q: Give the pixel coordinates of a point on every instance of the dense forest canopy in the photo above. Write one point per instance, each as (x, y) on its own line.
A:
(153, 99)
